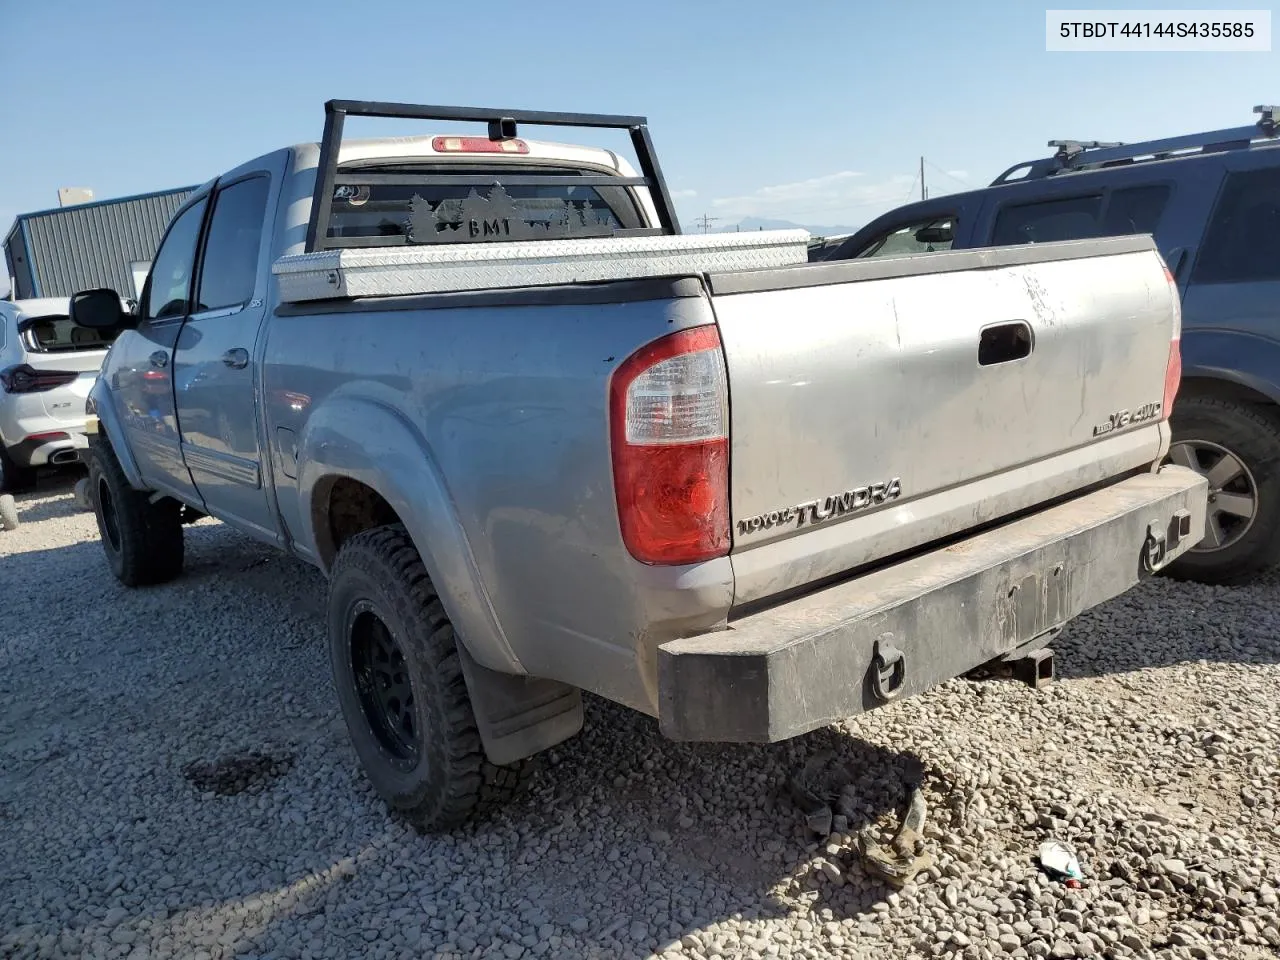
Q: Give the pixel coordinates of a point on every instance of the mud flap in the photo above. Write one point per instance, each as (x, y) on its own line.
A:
(519, 716)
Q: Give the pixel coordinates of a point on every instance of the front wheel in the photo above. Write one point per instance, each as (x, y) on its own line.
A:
(142, 540)
(1236, 447)
(400, 685)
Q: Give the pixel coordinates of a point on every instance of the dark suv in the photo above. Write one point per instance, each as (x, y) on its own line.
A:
(1212, 201)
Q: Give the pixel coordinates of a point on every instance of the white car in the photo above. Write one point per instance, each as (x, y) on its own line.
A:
(47, 365)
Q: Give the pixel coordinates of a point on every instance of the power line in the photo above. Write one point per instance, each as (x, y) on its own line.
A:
(952, 176)
(910, 190)
(705, 222)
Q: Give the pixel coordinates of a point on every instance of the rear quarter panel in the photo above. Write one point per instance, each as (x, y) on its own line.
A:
(495, 416)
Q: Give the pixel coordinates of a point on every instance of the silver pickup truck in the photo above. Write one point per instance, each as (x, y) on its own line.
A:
(540, 442)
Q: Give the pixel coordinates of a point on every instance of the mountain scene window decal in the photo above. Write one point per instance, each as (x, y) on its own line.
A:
(500, 217)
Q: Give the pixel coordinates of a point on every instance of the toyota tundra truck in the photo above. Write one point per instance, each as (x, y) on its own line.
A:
(541, 442)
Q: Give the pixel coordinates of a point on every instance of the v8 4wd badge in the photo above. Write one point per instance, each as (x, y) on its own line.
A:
(1127, 418)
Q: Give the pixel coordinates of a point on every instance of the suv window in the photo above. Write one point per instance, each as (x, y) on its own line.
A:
(1134, 210)
(925, 236)
(1242, 243)
(229, 270)
(169, 286)
(55, 333)
(1128, 211)
(1047, 221)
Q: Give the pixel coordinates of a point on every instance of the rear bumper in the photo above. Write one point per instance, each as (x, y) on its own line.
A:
(39, 452)
(809, 662)
(33, 438)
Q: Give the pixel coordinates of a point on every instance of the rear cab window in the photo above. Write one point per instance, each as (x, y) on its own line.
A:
(495, 211)
(1107, 213)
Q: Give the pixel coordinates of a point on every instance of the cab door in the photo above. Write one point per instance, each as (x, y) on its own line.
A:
(215, 371)
(140, 365)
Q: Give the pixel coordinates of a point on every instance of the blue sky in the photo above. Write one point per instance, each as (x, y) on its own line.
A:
(815, 111)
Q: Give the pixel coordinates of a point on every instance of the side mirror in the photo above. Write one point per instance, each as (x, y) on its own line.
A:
(100, 310)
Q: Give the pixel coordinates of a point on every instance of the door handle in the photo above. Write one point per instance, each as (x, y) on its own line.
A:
(1004, 342)
(159, 359)
(237, 358)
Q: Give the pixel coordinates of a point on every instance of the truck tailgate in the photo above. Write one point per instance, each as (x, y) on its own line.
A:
(878, 406)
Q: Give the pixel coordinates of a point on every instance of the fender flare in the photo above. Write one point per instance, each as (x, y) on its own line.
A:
(1242, 359)
(110, 427)
(361, 438)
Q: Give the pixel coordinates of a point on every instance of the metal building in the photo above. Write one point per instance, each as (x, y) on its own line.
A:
(107, 243)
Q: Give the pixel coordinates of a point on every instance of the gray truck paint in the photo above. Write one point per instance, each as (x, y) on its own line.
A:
(481, 420)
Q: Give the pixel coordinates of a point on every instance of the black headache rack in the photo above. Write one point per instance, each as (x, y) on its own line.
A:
(502, 126)
(1073, 156)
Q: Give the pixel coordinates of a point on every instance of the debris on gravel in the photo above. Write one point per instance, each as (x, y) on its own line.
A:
(81, 494)
(237, 773)
(8, 512)
(176, 781)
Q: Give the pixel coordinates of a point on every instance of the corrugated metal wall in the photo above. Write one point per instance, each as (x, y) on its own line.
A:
(81, 247)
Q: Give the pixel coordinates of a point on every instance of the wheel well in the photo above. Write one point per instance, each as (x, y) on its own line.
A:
(1220, 389)
(341, 509)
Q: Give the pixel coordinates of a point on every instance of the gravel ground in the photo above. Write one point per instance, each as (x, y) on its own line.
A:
(175, 780)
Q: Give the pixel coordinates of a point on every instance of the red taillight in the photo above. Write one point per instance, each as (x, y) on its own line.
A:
(51, 435)
(477, 145)
(26, 379)
(1173, 370)
(1172, 375)
(669, 424)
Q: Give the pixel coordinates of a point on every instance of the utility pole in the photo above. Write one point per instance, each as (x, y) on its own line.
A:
(706, 222)
(924, 194)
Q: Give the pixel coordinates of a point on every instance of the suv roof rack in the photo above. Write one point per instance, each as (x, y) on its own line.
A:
(502, 126)
(1077, 155)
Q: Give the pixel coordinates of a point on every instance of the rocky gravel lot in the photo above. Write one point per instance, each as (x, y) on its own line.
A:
(175, 780)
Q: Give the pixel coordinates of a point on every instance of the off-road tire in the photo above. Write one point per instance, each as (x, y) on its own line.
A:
(1252, 434)
(8, 513)
(14, 478)
(142, 540)
(446, 780)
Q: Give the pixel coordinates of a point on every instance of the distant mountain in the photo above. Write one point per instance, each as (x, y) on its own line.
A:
(760, 223)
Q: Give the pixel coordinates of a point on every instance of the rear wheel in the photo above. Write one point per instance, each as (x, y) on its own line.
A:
(14, 478)
(8, 513)
(142, 540)
(1236, 446)
(400, 685)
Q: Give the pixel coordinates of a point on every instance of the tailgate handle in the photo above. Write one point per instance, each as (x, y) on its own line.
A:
(1004, 343)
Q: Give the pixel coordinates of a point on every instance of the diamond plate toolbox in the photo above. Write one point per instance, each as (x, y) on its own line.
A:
(444, 268)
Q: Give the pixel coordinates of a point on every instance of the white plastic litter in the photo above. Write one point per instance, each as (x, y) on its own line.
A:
(1060, 860)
